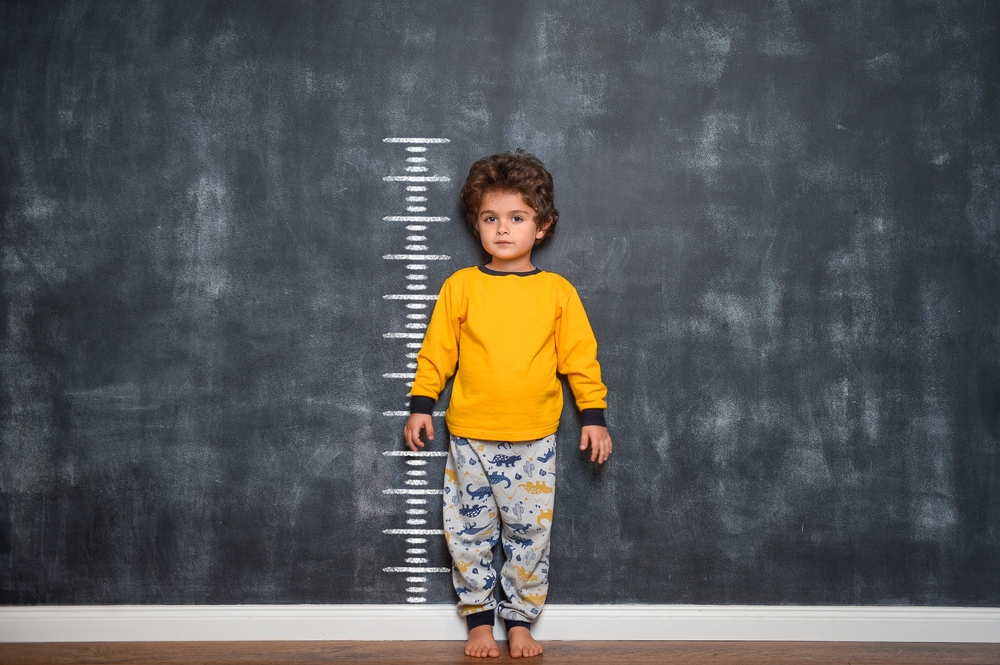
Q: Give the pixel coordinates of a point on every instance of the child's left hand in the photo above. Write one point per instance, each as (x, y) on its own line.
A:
(598, 439)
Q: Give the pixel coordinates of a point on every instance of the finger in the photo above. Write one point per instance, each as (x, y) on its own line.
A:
(413, 438)
(602, 446)
(430, 430)
(584, 440)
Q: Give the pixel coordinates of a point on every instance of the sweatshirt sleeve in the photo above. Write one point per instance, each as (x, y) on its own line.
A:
(438, 354)
(576, 351)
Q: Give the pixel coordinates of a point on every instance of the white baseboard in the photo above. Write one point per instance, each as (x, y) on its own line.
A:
(148, 623)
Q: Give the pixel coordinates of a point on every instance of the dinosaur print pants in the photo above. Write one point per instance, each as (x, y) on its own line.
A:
(494, 489)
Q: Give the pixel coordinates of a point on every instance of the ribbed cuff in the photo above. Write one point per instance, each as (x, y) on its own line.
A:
(587, 417)
(479, 619)
(423, 404)
(510, 623)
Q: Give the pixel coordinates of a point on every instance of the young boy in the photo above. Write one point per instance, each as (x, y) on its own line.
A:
(510, 328)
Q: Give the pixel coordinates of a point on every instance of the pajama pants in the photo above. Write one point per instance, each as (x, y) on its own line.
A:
(493, 488)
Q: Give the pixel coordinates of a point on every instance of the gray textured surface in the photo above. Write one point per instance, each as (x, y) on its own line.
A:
(783, 217)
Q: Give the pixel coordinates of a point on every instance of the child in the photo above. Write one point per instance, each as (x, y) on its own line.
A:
(510, 328)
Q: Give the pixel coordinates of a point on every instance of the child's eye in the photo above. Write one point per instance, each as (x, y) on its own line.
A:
(517, 218)
(489, 218)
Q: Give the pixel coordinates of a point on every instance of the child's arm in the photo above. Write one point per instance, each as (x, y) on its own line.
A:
(599, 440)
(435, 365)
(577, 351)
(415, 423)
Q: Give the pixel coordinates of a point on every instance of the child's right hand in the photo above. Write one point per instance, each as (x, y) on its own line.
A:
(417, 422)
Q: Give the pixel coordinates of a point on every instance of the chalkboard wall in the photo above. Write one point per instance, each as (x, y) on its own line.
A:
(783, 218)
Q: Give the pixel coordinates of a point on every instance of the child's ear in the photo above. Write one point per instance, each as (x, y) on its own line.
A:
(542, 230)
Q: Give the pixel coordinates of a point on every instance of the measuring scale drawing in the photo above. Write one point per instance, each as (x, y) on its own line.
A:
(416, 297)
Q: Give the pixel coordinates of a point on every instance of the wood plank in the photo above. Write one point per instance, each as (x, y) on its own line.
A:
(426, 653)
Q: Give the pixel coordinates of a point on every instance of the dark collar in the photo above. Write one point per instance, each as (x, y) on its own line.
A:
(498, 273)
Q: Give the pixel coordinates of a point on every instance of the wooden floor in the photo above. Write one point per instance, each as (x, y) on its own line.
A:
(425, 653)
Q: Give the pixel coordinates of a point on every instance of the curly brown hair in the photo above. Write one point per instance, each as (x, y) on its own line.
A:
(519, 172)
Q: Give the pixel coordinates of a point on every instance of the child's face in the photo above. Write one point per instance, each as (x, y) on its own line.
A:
(508, 230)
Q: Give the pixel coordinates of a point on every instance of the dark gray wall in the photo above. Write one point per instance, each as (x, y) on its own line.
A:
(783, 218)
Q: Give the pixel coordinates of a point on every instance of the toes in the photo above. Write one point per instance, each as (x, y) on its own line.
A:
(480, 650)
(526, 650)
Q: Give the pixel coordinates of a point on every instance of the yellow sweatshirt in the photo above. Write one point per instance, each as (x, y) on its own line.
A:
(509, 333)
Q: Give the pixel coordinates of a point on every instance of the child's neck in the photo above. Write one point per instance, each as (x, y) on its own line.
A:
(520, 264)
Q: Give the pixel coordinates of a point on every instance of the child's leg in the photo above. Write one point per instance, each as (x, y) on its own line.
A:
(526, 515)
(470, 525)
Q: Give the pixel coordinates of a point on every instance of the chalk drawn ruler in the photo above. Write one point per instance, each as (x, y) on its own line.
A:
(416, 297)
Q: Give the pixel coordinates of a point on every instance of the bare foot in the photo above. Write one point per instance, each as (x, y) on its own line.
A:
(481, 643)
(522, 644)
